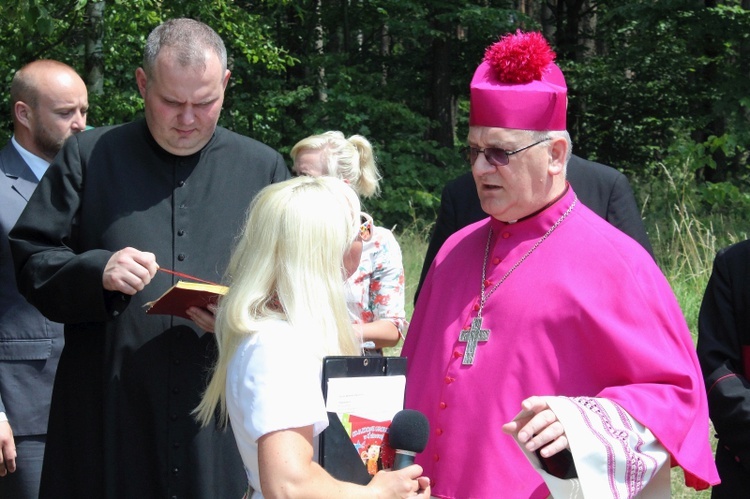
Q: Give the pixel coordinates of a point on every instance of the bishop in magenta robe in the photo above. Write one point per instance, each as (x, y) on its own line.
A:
(587, 315)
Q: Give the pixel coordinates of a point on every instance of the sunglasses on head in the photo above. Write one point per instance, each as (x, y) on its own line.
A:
(365, 230)
(496, 156)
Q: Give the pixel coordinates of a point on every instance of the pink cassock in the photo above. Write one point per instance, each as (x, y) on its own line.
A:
(587, 314)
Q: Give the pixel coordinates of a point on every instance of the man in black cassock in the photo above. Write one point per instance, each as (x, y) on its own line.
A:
(724, 354)
(116, 204)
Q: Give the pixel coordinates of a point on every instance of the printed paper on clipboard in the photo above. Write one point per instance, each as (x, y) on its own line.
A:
(365, 406)
(362, 396)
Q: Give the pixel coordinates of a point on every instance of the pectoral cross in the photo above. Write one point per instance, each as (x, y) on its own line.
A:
(472, 336)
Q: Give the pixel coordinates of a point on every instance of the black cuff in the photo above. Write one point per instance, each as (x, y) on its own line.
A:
(561, 465)
(115, 302)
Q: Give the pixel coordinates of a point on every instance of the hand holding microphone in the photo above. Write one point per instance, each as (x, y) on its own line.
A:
(408, 435)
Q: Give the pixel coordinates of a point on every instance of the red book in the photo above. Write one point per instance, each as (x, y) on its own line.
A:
(183, 295)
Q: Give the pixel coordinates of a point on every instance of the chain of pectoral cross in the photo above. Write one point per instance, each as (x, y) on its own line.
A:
(475, 333)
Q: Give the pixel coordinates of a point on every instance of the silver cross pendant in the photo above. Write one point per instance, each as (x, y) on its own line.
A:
(472, 336)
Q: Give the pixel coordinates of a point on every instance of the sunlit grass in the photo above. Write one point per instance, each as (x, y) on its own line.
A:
(413, 247)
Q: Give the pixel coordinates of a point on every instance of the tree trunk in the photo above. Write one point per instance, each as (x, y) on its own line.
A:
(717, 125)
(443, 104)
(94, 56)
(744, 53)
(322, 85)
(345, 25)
(385, 52)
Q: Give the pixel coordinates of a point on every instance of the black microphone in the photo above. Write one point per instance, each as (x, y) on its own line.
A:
(408, 435)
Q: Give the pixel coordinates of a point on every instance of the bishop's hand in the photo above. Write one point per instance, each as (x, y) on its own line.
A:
(536, 427)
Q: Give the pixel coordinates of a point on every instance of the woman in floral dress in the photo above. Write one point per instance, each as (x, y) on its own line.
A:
(375, 292)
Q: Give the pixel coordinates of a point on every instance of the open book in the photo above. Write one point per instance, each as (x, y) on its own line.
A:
(183, 295)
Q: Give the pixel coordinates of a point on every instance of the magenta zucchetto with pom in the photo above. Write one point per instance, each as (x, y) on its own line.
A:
(519, 86)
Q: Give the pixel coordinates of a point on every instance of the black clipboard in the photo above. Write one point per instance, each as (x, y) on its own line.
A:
(337, 454)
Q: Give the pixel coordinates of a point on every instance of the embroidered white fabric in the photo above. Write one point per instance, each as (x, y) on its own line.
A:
(615, 456)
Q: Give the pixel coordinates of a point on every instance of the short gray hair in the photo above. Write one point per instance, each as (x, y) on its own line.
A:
(554, 134)
(189, 39)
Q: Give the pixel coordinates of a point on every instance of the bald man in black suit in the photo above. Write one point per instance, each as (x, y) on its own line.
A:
(603, 189)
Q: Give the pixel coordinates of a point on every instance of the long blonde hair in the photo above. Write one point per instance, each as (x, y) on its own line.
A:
(288, 265)
(349, 159)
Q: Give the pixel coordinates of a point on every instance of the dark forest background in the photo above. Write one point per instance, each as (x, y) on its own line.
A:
(654, 86)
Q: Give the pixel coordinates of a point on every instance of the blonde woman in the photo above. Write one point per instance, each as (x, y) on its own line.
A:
(375, 292)
(285, 310)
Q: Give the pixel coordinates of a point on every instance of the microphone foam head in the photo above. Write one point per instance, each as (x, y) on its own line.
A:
(409, 431)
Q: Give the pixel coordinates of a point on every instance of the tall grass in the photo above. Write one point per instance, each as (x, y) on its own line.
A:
(413, 245)
(685, 236)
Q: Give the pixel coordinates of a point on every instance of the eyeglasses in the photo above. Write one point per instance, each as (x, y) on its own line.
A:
(365, 230)
(496, 156)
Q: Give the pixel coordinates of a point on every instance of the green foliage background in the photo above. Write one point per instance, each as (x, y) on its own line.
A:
(657, 88)
(648, 80)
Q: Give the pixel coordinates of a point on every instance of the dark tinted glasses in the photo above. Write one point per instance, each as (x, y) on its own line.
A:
(365, 230)
(496, 156)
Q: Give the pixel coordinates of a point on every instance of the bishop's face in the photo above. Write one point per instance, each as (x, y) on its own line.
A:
(532, 178)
